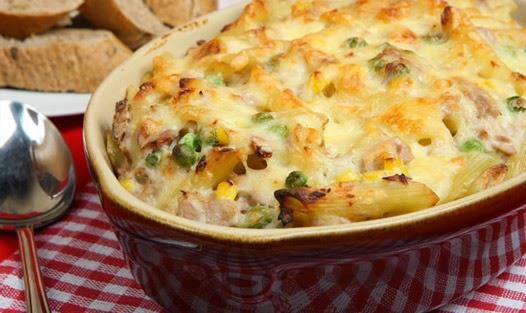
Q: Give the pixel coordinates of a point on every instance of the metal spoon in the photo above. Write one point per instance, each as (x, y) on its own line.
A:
(37, 185)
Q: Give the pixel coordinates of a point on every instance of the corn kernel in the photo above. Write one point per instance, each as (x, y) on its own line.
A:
(489, 84)
(226, 190)
(127, 184)
(317, 82)
(373, 175)
(347, 176)
(394, 166)
(222, 136)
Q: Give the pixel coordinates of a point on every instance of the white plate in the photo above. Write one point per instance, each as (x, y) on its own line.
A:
(60, 104)
(49, 103)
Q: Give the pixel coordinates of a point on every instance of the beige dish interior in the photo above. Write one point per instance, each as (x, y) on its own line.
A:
(98, 120)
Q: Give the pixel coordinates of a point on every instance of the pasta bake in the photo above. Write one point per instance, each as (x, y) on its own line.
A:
(318, 112)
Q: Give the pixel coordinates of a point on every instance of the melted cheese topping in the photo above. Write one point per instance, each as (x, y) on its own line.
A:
(383, 89)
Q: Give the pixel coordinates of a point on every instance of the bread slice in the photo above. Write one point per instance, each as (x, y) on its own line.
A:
(130, 20)
(177, 12)
(21, 18)
(61, 60)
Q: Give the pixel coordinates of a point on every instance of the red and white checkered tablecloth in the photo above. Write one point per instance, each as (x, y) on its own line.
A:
(85, 271)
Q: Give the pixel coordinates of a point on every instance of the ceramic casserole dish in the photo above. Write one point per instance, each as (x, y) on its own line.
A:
(408, 263)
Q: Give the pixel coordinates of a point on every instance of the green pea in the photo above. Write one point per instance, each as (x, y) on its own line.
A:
(153, 158)
(516, 104)
(296, 179)
(472, 145)
(354, 42)
(259, 216)
(216, 79)
(281, 130)
(185, 155)
(192, 140)
(262, 117)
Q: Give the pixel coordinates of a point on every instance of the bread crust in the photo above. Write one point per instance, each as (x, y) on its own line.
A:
(109, 14)
(177, 12)
(63, 60)
(23, 24)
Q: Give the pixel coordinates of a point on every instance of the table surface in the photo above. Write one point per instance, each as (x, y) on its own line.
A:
(71, 129)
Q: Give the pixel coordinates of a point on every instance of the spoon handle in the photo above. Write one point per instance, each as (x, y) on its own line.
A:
(36, 299)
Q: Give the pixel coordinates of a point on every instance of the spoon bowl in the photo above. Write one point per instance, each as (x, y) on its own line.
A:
(37, 185)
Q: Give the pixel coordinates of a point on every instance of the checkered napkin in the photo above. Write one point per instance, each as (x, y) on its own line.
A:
(84, 271)
(83, 266)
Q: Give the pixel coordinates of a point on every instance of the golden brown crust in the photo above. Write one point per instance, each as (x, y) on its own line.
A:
(24, 26)
(379, 107)
(21, 25)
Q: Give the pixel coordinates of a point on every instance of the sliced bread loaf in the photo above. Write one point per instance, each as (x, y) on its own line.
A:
(21, 18)
(177, 12)
(61, 60)
(131, 20)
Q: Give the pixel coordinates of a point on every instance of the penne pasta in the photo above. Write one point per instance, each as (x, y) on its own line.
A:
(488, 178)
(354, 201)
(475, 164)
(216, 167)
